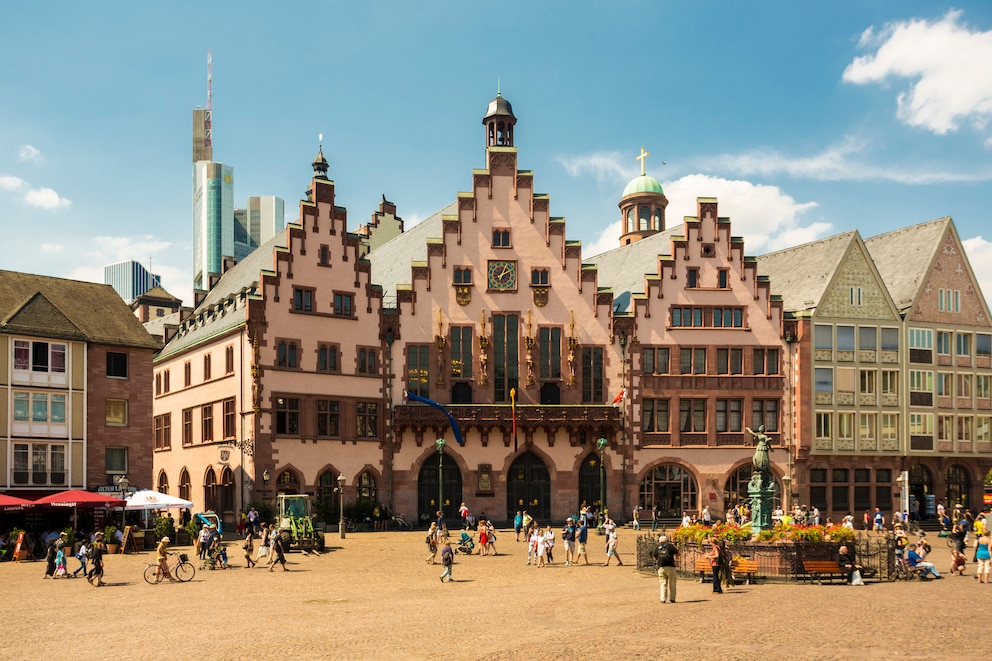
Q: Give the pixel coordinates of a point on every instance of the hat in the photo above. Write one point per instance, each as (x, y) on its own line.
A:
(62, 534)
(99, 535)
(898, 525)
(165, 539)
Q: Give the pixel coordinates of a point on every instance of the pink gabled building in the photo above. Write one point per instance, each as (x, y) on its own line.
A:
(274, 384)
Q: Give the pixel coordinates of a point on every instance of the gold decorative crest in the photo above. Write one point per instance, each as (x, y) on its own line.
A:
(540, 296)
(463, 295)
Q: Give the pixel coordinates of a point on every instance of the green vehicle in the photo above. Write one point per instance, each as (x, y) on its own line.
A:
(296, 523)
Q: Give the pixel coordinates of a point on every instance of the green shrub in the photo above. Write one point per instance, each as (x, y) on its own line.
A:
(163, 527)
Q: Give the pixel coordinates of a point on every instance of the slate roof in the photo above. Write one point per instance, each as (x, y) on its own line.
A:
(801, 274)
(623, 268)
(224, 306)
(160, 294)
(904, 257)
(43, 306)
(391, 261)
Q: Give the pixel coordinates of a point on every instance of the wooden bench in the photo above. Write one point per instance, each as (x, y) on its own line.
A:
(703, 569)
(820, 569)
(747, 567)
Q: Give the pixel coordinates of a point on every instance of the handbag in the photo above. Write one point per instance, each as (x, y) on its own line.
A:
(856, 578)
(263, 551)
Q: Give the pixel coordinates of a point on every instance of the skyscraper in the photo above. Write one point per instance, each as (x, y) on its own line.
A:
(130, 279)
(220, 230)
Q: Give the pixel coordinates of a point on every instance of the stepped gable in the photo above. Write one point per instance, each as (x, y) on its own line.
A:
(624, 269)
(391, 262)
(213, 315)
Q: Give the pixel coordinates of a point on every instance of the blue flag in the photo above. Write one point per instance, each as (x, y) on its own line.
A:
(430, 402)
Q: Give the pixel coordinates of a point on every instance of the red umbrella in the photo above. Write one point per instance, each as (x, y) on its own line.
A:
(78, 498)
(12, 503)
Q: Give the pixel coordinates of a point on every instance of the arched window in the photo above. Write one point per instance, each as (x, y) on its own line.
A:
(644, 218)
(210, 490)
(288, 483)
(225, 491)
(672, 488)
(657, 220)
(629, 225)
(163, 482)
(365, 487)
(958, 485)
(185, 488)
(327, 485)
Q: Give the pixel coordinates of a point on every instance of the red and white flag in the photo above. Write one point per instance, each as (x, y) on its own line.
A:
(622, 395)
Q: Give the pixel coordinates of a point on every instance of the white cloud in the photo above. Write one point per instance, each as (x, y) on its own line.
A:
(29, 153)
(8, 182)
(120, 248)
(46, 198)
(605, 167)
(948, 62)
(846, 161)
(766, 217)
(52, 247)
(93, 253)
(980, 256)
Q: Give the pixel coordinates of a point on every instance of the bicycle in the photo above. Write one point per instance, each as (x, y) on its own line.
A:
(402, 523)
(182, 571)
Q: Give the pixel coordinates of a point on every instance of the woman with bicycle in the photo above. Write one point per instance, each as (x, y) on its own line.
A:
(163, 560)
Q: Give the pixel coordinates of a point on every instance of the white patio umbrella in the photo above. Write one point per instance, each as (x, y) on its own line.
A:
(153, 500)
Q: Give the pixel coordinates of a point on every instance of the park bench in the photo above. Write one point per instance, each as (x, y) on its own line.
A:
(817, 570)
(745, 566)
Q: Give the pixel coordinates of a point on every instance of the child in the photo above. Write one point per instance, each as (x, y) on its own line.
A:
(81, 556)
(249, 547)
(60, 563)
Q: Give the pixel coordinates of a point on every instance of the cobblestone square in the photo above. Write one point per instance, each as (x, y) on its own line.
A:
(373, 596)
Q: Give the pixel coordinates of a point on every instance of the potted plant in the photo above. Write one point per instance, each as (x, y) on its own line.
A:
(14, 534)
(109, 538)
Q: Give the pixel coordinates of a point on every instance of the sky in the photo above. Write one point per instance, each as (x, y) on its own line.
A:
(804, 119)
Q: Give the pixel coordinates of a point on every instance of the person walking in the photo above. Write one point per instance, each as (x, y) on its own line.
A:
(80, 553)
(97, 549)
(655, 517)
(568, 536)
(581, 537)
(664, 558)
(983, 555)
(249, 546)
(280, 553)
(611, 549)
(637, 517)
(431, 541)
(447, 560)
(518, 524)
(714, 557)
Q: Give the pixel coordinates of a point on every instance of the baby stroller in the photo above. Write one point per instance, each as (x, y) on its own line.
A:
(465, 544)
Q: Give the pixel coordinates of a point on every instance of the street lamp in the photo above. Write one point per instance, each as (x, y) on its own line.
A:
(623, 421)
(601, 444)
(440, 443)
(265, 477)
(122, 483)
(341, 505)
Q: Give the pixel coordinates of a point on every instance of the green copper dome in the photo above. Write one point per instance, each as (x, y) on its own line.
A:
(642, 184)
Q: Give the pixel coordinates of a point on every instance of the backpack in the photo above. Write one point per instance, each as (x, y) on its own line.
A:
(447, 557)
(663, 554)
(89, 551)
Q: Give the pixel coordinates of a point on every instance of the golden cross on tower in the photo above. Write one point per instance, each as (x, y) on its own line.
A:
(644, 155)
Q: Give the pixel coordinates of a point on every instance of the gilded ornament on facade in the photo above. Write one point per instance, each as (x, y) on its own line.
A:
(463, 295)
(540, 296)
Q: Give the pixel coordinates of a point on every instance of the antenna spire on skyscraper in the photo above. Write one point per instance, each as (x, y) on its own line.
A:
(208, 115)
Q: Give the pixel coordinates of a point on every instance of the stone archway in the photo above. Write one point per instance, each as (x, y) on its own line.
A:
(673, 488)
(450, 488)
(528, 487)
(921, 494)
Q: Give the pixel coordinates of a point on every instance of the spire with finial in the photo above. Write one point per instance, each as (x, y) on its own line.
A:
(499, 120)
(320, 164)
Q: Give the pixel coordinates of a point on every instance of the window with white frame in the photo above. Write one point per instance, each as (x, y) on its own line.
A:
(945, 384)
(39, 464)
(116, 460)
(962, 343)
(867, 426)
(824, 379)
(890, 382)
(890, 426)
(857, 297)
(845, 425)
(982, 386)
(943, 343)
(823, 425)
(920, 381)
(921, 424)
(983, 428)
(945, 427)
(867, 381)
(965, 427)
(964, 385)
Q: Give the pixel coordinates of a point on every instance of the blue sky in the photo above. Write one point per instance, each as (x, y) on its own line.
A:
(804, 119)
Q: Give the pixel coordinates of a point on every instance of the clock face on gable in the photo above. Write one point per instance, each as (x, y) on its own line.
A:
(502, 275)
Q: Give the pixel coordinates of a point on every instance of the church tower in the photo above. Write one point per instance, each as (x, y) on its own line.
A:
(499, 122)
(642, 206)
